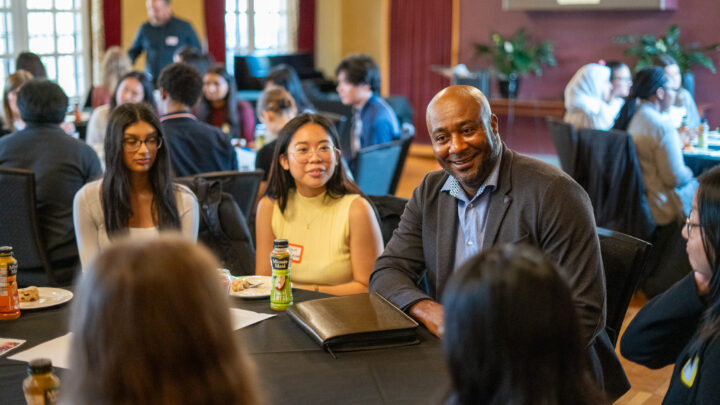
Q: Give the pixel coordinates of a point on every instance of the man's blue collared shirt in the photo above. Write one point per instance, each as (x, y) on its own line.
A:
(472, 214)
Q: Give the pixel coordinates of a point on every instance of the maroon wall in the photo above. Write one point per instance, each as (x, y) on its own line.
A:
(581, 37)
(420, 36)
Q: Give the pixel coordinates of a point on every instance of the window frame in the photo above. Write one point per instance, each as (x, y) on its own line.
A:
(21, 43)
(250, 34)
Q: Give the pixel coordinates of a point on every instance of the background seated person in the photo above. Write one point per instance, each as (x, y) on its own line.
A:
(61, 164)
(285, 76)
(684, 110)
(11, 113)
(115, 64)
(374, 122)
(134, 87)
(682, 326)
(136, 195)
(195, 147)
(176, 344)
(333, 233)
(669, 183)
(275, 108)
(487, 194)
(587, 99)
(620, 83)
(220, 107)
(511, 335)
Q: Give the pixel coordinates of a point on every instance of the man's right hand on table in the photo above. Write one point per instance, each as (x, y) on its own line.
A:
(431, 314)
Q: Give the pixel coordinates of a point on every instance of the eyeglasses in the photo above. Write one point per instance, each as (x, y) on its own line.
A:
(304, 154)
(689, 225)
(133, 144)
(622, 79)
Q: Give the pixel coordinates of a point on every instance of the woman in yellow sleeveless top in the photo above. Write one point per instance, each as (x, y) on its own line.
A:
(333, 233)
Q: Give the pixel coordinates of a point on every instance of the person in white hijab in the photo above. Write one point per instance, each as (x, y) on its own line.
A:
(586, 99)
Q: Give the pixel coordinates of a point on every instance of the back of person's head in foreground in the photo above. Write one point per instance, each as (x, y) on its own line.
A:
(181, 82)
(151, 325)
(511, 334)
(41, 101)
(288, 167)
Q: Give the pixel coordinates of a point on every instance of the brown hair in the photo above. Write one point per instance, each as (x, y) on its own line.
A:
(12, 83)
(151, 325)
(115, 64)
(276, 100)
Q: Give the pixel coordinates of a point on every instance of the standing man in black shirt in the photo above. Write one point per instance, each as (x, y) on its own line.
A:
(160, 36)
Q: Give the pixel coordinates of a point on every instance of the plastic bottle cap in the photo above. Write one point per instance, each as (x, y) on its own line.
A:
(40, 366)
(280, 243)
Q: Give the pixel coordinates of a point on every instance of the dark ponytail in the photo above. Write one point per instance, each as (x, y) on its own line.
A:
(645, 84)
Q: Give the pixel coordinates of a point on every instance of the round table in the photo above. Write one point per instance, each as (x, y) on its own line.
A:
(290, 366)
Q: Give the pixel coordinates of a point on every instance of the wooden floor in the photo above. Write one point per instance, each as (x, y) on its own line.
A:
(648, 386)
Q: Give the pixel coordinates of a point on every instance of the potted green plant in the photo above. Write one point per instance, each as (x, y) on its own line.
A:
(514, 57)
(646, 48)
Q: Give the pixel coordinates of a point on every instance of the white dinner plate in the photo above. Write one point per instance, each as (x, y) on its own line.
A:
(261, 291)
(49, 297)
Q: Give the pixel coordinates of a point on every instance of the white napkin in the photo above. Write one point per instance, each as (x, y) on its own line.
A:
(241, 318)
(58, 349)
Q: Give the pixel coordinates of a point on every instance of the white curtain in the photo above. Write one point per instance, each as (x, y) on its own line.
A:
(293, 18)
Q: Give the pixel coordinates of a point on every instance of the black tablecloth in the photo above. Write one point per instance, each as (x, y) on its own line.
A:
(291, 368)
(700, 163)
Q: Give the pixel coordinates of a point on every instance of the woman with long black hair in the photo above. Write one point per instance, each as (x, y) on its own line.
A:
(333, 232)
(136, 195)
(511, 334)
(682, 326)
(220, 107)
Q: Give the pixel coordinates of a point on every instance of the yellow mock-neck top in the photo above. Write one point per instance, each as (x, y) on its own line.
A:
(318, 229)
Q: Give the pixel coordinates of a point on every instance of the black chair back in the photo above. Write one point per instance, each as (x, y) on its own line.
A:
(376, 165)
(565, 141)
(242, 186)
(624, 259)
(19, 226)
(608, 169)
(408, 135)
(388, 210)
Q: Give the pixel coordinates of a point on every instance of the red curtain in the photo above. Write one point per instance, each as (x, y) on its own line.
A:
(420, 36)
(215, 28)
(112, 16)
(306, 25)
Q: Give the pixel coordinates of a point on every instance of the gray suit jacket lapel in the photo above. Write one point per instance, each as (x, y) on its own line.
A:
(500, 201)
(446, 239)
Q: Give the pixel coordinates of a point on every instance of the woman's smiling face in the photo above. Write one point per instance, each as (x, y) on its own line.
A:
(311, 159)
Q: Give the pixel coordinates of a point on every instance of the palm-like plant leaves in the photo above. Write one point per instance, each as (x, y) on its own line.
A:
(517, 54)
(647, 47)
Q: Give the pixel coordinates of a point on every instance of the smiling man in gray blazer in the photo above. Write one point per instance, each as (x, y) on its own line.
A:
(487, 194)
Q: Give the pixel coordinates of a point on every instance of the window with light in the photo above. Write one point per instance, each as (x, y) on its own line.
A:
(54, 30)
(257, 25)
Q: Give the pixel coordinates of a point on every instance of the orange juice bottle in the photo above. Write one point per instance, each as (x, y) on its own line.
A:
(9, 300)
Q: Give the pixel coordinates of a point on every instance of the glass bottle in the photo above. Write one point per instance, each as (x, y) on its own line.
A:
(281, 291)
(9, 300)
(41, 387)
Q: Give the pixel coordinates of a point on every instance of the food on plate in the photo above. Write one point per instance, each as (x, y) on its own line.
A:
(239, 284)
(29, 294)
